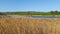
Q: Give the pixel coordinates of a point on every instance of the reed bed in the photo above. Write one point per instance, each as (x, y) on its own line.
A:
(29, 25)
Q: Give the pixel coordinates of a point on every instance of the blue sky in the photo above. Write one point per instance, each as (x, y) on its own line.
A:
(29, 5)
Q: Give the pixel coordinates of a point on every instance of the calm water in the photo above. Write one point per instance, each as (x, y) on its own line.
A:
(45, 16)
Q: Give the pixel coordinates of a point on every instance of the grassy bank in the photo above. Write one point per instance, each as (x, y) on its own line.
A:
(29, 25)
(30, 13)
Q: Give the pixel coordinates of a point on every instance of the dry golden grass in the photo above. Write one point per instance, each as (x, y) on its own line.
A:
(29, 25)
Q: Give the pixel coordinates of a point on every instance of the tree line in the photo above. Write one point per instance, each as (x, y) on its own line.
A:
(55, 12)
(31, 13)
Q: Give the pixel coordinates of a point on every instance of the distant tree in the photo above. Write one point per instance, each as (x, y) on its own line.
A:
(59, 12)
(56, 12)
(2, 14)
(29, 13)
(52, 13)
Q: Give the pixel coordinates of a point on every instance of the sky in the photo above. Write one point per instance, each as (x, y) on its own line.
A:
(29, 5)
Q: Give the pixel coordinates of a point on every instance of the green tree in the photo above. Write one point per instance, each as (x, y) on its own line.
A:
(2, 14)
(56, 12)
(52, 13)
(29, 13)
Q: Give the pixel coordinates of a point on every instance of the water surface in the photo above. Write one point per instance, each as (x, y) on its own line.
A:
(45, 16)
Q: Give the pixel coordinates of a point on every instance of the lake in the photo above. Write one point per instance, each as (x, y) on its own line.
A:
(18, 16)
(45, 16)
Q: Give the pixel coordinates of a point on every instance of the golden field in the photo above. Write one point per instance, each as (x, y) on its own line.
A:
(29, 25)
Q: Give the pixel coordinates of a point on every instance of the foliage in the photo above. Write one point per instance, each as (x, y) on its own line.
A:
(31, 13)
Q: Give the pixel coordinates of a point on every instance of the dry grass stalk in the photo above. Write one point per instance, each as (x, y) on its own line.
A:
(29, 25)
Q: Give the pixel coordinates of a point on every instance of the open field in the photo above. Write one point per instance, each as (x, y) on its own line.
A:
(29, 25)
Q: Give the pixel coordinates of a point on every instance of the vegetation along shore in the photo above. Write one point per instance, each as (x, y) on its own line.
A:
(32, 13)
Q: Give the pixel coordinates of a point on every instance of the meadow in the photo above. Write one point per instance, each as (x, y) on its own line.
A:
(25, 25)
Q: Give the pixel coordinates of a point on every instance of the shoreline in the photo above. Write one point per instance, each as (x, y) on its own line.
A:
(21, 16)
